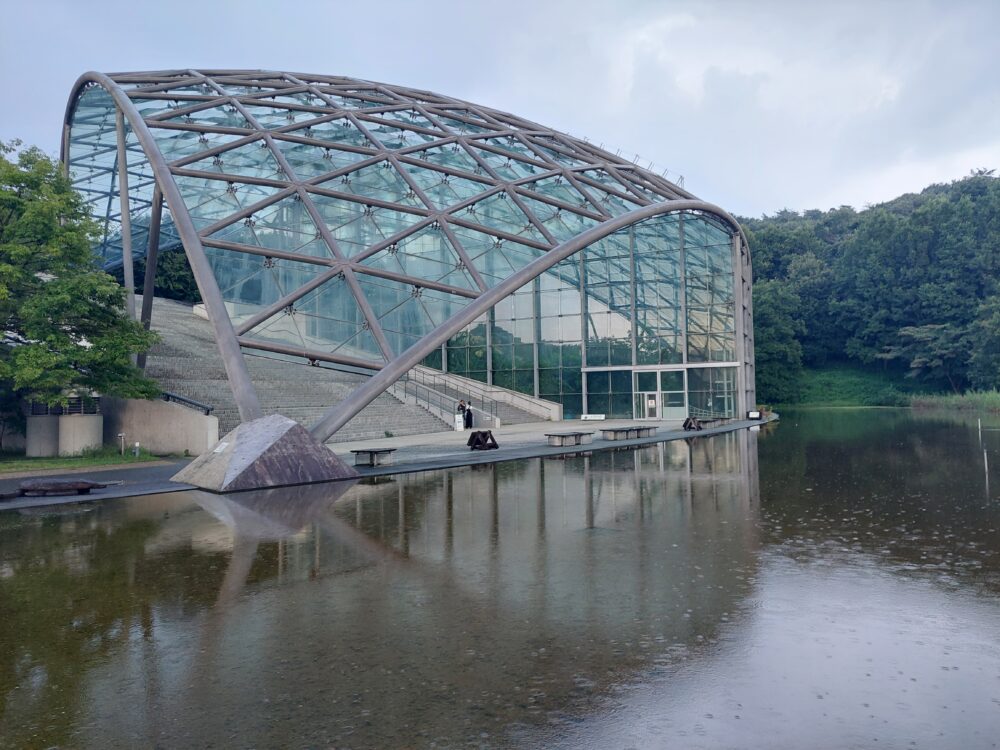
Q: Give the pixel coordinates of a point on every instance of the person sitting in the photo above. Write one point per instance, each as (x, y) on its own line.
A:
(691, 424)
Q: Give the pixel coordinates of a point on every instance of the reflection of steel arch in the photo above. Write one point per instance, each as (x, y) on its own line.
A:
(382, 219)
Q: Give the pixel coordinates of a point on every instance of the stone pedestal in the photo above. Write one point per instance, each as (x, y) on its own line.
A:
(272, 451)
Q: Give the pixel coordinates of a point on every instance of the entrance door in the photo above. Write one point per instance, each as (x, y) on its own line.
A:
(647, 405)
(672, 395)
(647, 396)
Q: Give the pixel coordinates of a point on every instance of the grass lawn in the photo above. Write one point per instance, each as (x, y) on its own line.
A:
(850, 386)
(10, 463)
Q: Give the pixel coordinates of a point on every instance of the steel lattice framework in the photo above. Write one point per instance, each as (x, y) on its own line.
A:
(381, 219)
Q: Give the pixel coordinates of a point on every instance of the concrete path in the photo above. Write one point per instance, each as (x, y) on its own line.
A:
(445, 450)
(429, 452)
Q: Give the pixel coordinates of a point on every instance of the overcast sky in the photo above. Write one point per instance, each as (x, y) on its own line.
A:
(760, 105)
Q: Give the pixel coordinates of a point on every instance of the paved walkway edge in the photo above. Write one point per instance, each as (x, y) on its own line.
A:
(449, 461)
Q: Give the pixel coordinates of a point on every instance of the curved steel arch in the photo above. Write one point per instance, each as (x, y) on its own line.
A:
(482, 136)
(337, 416)
(225, 337)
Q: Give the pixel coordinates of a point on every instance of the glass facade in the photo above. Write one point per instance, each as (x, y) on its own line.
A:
(625, 328)
(346, 221)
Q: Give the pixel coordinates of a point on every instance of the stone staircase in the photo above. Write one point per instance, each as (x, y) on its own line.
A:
(186, 362)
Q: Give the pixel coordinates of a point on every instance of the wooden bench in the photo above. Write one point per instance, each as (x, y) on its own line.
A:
(561, 439)
(627, 433)
(373, 456)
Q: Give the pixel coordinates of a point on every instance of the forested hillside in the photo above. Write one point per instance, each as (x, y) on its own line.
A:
(909, 286)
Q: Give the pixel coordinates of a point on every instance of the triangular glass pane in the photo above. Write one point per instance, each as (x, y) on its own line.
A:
(310, 161)
(380, 181)
(444, 189)
(407, 313)
(303, 97)
(224, 117)
(340, 130)
(250, 283)
(508, 167)
(499, 212)
(209, 201)
(425, 255)
(356, 226)
(393, 137)
(349, 102)
(556, 186)
(178, 144)
(278, 117)
(561, 223)
(452, 156)
(149, 107)
(407, 117)
(559, 157)
(642, 186)
(249, 160)
(461, 127)
(327, 319)
(604, 178)
(611, 203)
(285, 225)
(494, 258)
(197, 88)
(511, 145)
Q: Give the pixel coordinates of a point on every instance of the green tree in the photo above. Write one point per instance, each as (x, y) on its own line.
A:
(778, 353)
(64, 321)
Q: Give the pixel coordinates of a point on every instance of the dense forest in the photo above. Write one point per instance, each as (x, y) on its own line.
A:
(909, 287)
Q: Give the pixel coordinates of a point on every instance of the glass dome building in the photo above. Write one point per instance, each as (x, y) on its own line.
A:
(366, 225)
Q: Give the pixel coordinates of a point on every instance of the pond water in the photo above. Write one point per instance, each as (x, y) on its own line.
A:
(832, 581)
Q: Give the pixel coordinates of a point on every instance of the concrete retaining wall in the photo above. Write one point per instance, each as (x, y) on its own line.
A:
(42, 438)
(159, 426)
(79, 432)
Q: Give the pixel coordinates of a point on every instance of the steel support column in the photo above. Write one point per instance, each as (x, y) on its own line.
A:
(124, 215)
(152, 254)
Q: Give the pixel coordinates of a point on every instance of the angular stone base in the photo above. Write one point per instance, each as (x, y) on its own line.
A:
(272, 451)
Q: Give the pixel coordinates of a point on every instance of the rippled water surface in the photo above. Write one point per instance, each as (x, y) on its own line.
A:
(830, 582)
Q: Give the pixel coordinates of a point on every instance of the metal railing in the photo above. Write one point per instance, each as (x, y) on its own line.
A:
(185, 401)
(483, 393)
(441, 403)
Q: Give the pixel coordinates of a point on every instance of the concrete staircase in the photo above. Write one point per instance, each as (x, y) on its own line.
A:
(507, 413)
(186, 362)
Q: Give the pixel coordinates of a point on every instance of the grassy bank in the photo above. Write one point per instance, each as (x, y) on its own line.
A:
(984, 401)
(850, 386)
(10, 463)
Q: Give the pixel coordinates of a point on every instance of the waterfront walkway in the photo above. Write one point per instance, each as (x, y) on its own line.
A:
(429, 452)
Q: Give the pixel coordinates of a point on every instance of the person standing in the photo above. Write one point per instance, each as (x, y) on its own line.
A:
(468, 417)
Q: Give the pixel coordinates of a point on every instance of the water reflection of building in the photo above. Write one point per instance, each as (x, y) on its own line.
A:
(469, 600)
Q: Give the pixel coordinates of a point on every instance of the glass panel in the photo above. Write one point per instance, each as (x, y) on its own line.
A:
(380, 181)
(507, 166)
(357, 226)
(310, 161)
(499, 212)
(285, 225)
(445, 190)
(250, 160)
(672, 381)
(327, 319)
(453, 156)
(425, 255)
(645, 381)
